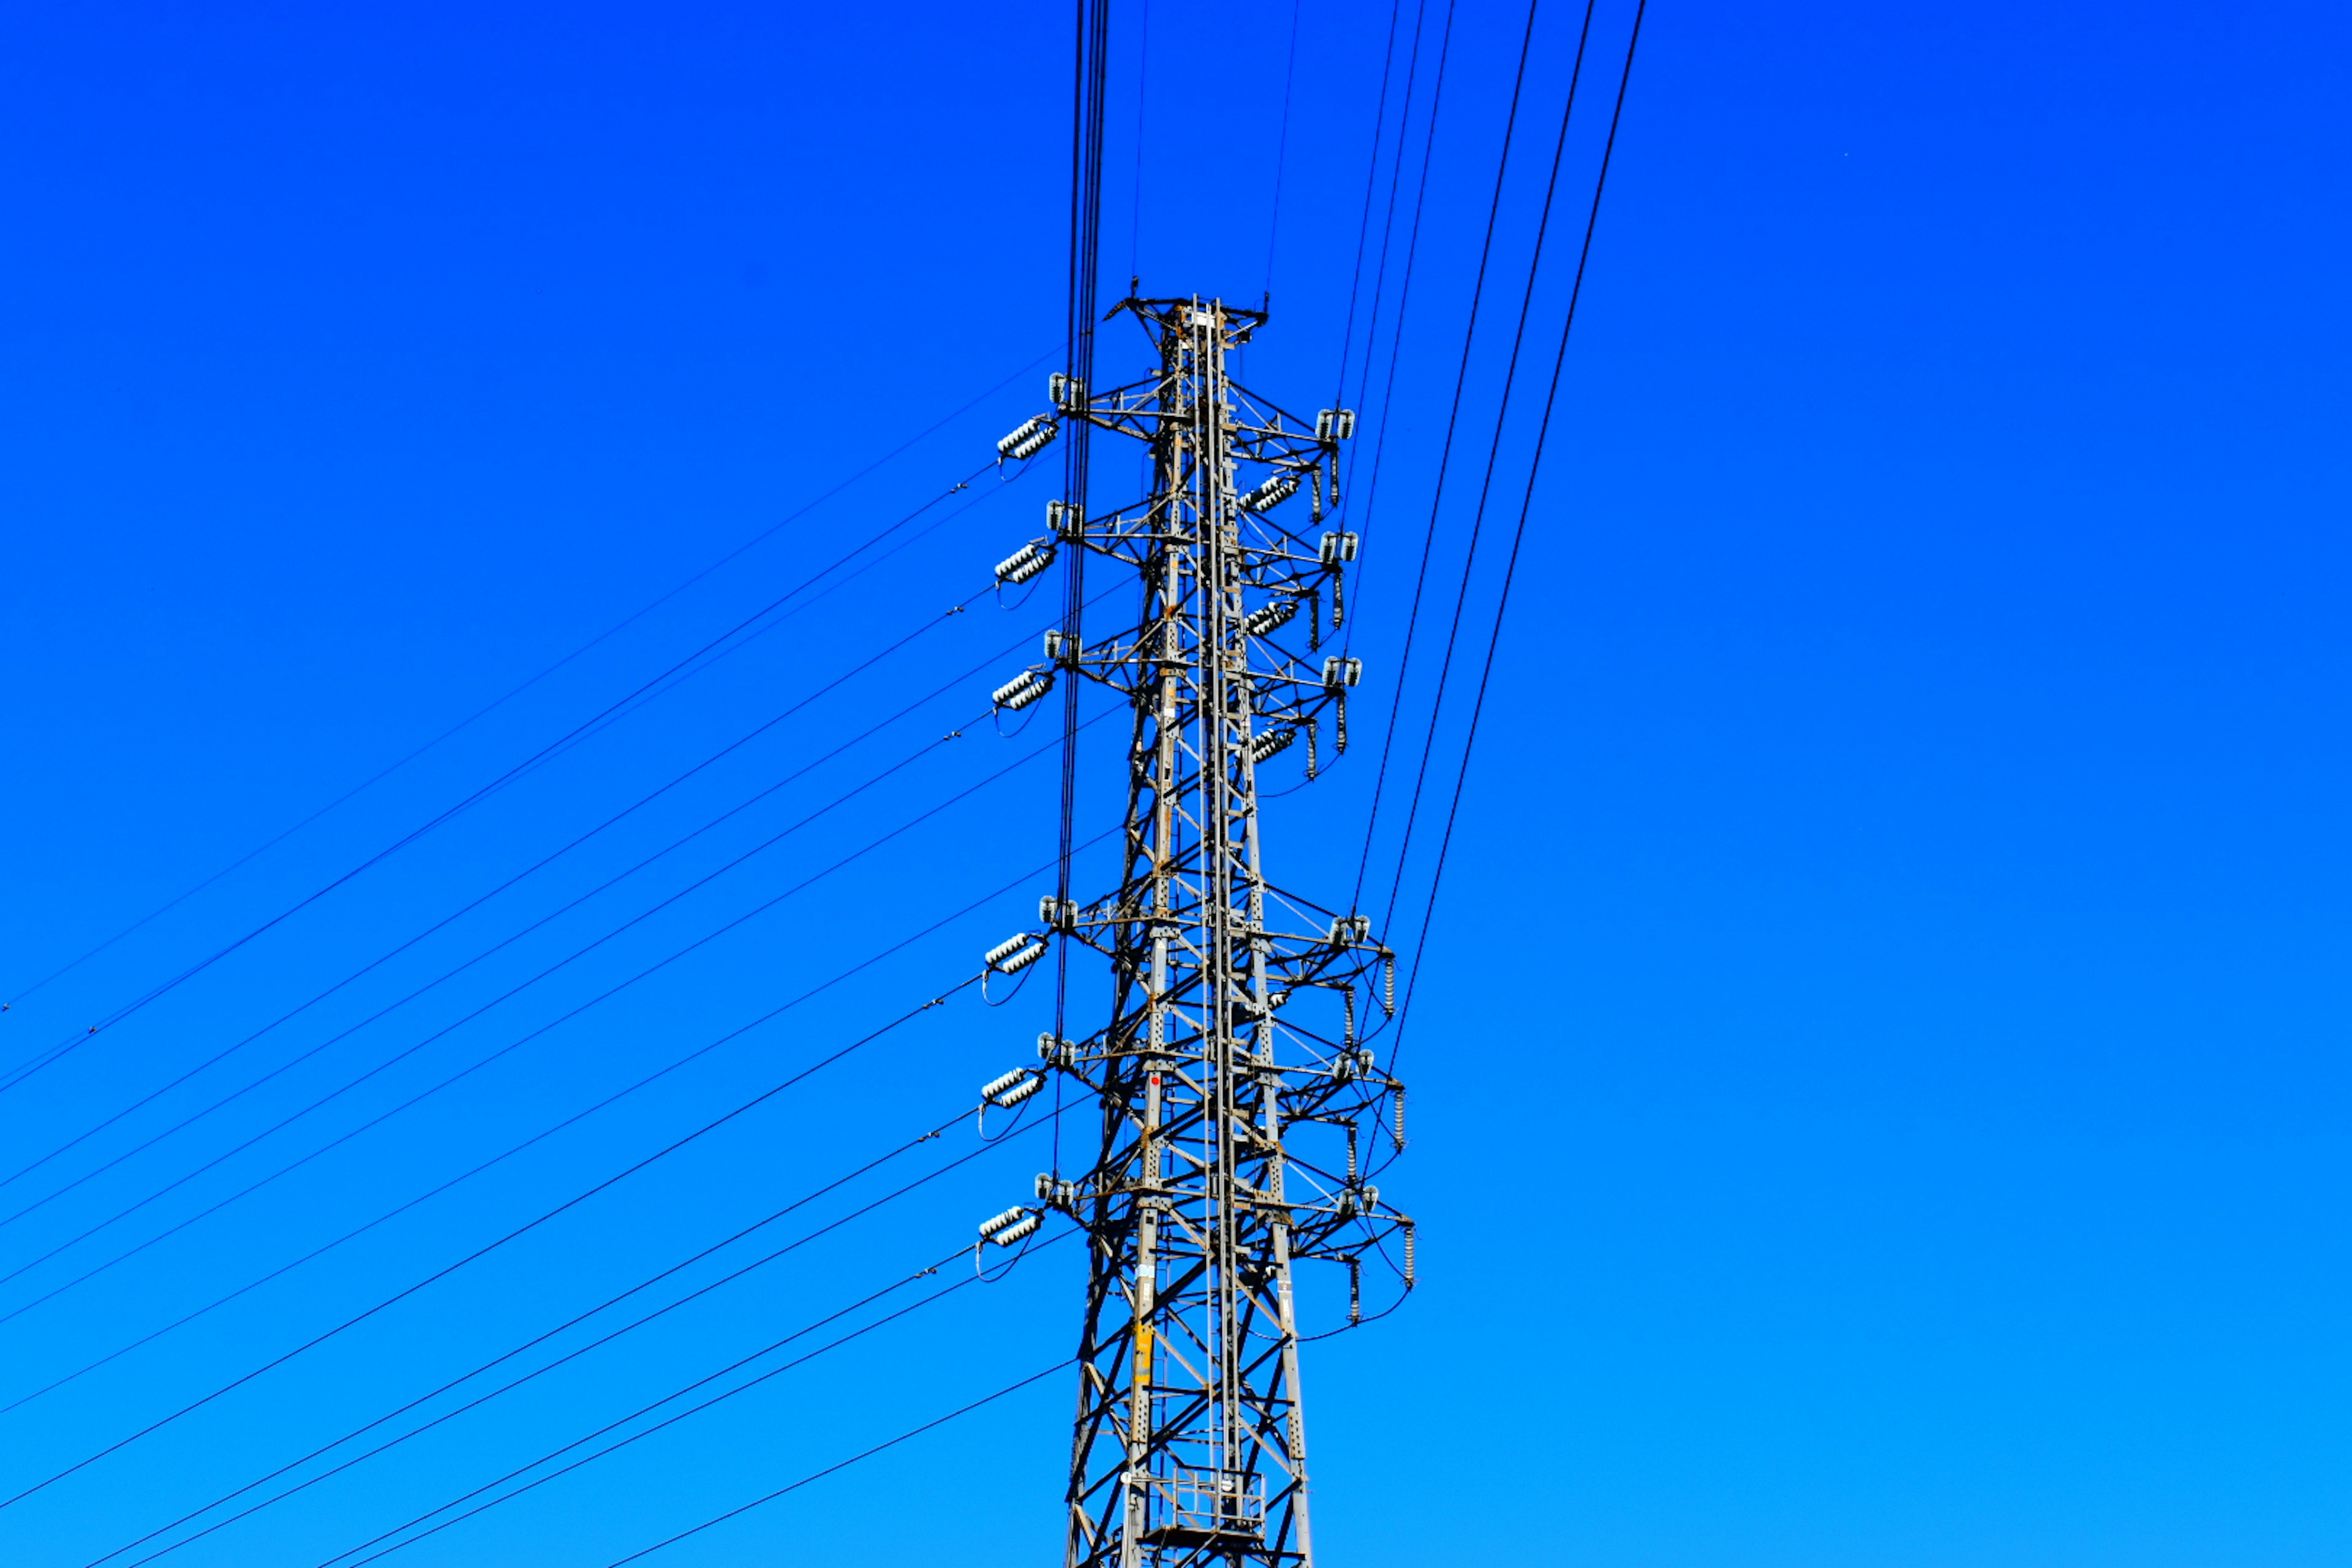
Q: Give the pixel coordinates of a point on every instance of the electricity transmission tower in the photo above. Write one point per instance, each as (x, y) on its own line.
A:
(1240, 1106)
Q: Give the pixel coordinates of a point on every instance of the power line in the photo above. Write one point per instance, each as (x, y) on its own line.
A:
(1014, 1387)
(1487, 482)
(617, 627)
(487, 1248)
(1088, 100)
(1453, 422)
(905, 541)
(1281, 150)
(514, 1045)
(396, 1058)
(1404, 303)
(1364, 224)
(744, 1387)
(932, 696)
(1519, 533)
(541, 1136)
(537, 866)
(74, 1042)
(573, 1354)
(475, 903)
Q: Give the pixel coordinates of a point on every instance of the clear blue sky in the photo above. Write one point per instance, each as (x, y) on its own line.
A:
(1877, 1077)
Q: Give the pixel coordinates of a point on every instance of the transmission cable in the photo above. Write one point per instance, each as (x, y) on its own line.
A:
(1487, 483)
(1014, 1387)
(905, 543)
(74, 1042)
(1519, 534)
(469, 908)
(619, 626)
(514, 1045)
(508, 994)
(550, 1132)
(744, 1387)
(867, 1300)
(488, 1247)
(1404, 295)
(547, 859)
(1453, 417)
(1281, 152)
(1371, 183)
(1388, 232)
(1088, 102)
(729, 1278)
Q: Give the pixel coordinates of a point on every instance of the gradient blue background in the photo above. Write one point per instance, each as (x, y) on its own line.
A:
(1878, 1081)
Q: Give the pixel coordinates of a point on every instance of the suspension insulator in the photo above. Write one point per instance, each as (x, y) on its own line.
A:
(1023, 689)
(1270, 618)
(996, 1225)
(1269, 743)
(1025, 563)
(1272, 493)
(1027, 441)
(1015, 953)
(1013, 1087)
(1019, 1230)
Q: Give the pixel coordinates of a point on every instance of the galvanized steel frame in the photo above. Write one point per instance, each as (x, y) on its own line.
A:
(1234, 1026)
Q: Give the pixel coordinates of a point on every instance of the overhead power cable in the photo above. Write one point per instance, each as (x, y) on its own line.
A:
(1088, 100)
(802, 1333)
(545, 861)
(400, 1055)
(1519, 534)
(937, 1421)
(466, 909)
(1371, 508)
(1486, 481)
(1452, 419)
(617, 627)
(72, 1043)
(905, 541)
(351, 1555)
(1364, 223)
(569, 1356)
(1281, 151)
(566, 1206)
(512, 1046)
(548, 1131)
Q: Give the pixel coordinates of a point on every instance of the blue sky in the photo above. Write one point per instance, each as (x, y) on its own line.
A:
(1877, 1070)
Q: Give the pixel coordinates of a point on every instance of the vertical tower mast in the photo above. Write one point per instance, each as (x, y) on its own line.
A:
(1239, 1104)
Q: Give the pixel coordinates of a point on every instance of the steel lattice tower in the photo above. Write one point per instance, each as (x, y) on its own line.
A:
(1240, 1105)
